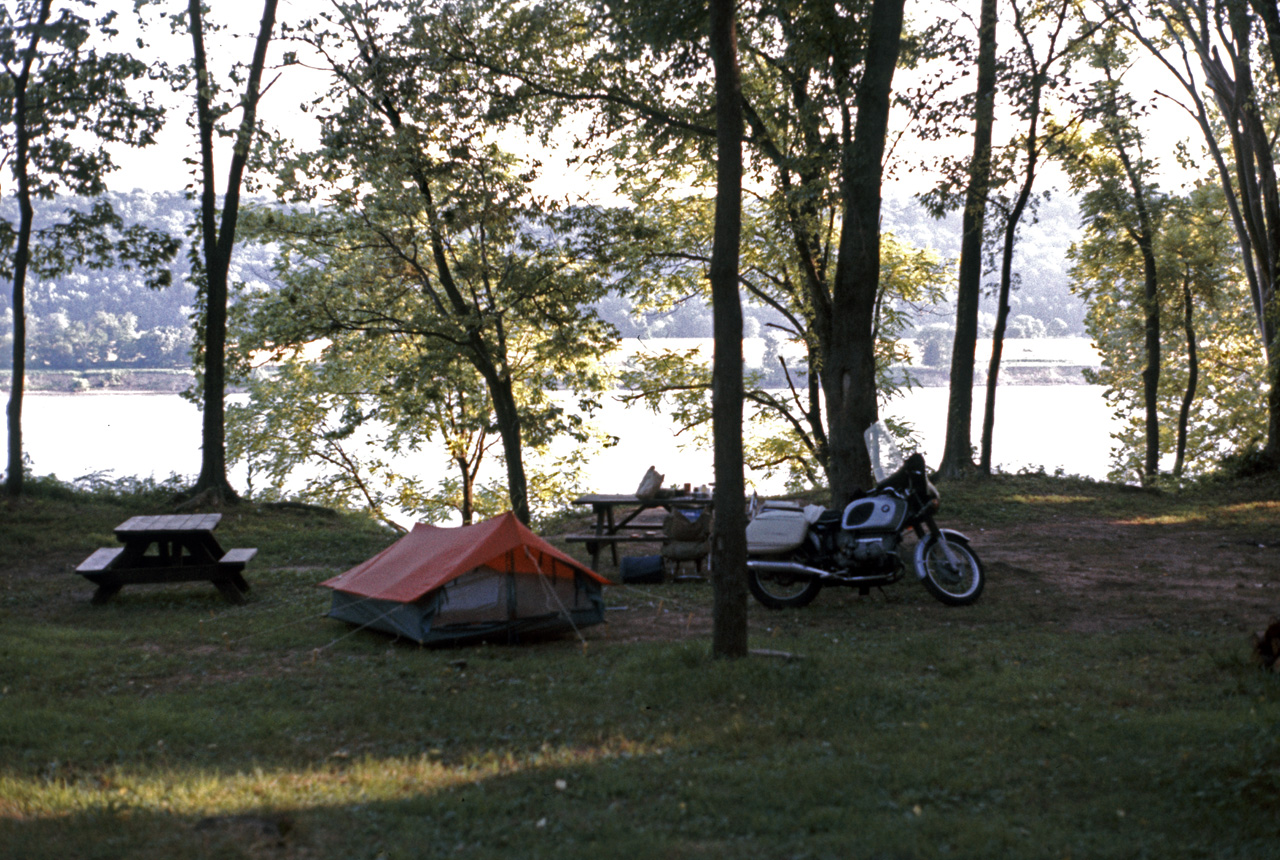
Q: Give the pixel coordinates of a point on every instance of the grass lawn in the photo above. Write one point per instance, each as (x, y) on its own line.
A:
(1099, 701)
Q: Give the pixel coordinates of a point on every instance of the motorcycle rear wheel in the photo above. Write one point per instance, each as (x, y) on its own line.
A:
(782, 590)
(959, 588)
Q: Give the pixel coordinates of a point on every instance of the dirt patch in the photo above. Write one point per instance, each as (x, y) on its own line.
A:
(1093, 575)
(1079, 574)
(682, 611)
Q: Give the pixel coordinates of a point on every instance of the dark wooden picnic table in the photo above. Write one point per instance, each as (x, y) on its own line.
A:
(618, 519)
(165, 549)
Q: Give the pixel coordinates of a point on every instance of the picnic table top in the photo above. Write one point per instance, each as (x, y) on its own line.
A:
(169, 524)
(633, 499)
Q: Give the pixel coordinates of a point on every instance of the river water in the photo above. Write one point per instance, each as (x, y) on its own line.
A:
(158, 435)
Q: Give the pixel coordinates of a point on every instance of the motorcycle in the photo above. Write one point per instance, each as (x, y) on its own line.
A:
(795, 551)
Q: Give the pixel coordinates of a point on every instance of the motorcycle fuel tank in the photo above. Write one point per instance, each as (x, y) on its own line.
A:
(875, 513)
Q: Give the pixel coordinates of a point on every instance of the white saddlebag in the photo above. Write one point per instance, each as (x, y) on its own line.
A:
(776, 530)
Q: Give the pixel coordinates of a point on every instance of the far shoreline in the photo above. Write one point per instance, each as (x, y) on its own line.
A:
(159, 381)
(105, 381)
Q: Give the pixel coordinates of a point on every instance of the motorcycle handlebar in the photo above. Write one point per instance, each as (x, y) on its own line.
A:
(911, 477)
(901, 479)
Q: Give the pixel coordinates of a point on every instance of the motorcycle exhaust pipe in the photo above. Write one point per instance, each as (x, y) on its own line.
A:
(792, 567)
(796, 569)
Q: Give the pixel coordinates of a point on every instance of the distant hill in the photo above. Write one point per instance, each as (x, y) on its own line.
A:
(1041, 281)
(89, 320)
(104, 320)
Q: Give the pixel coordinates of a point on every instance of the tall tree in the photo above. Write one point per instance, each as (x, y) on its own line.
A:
(956, 453)
(849, 360)
(434, 228)
(1111, 167)
(729, 553)
(1245, 120)
(1218, 37)
(1125, 144)
(361, 275)
(1039, 27)
(347, 426)
(816, 108)
(1208, 336)
(1207, 408)
(61, 103)
(217, 232)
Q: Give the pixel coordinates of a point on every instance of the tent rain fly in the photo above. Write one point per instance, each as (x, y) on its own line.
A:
(489, 580)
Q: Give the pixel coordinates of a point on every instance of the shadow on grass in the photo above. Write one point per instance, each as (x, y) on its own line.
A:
(744, 785)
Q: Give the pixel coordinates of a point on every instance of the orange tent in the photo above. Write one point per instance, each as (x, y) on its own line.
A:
(494, 579)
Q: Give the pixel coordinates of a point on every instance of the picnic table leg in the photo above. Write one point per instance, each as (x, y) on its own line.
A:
(229, 590)
(105, 592)
(593, 547)
(612, 529)
(604, 526)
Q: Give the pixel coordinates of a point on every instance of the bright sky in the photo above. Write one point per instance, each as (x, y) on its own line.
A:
(162, 167)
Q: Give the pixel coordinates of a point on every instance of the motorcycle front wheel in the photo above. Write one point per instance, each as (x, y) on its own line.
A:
(958, 587)
(782, 590)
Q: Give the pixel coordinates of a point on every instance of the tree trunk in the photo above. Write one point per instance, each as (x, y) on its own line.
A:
(508, 415)
(1260, 197)
(1144, 236)
(849, 363)
(1006, 265)
(218, 242)
(1270, 291)
(729, 549)
(957, 454)
(1193, 378)
(467, 489)
(993, 376)
(1151, 373)
(15, 477)
(1002, 320)
(813, 385)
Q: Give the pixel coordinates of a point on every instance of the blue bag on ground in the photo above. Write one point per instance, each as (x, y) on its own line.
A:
(642, 569)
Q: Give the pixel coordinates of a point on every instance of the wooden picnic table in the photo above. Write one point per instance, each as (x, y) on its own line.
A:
(164, 549)
(618, 519)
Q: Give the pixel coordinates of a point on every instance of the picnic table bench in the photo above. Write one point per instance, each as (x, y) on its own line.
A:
(618, 520)
(185, 550)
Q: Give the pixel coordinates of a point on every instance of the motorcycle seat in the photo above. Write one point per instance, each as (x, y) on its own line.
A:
(827, 518)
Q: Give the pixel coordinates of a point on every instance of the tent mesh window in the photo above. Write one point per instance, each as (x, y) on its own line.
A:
(474, 597)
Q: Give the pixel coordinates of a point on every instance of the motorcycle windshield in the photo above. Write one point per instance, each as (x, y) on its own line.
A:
(883, 450)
